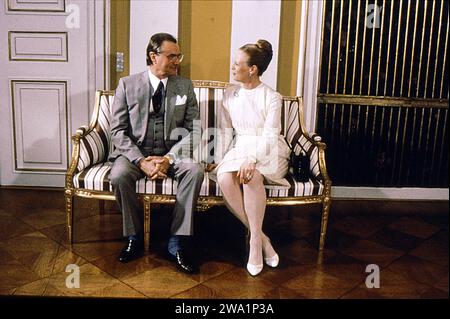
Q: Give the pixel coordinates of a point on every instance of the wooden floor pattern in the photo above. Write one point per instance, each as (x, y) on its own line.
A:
(408, 241)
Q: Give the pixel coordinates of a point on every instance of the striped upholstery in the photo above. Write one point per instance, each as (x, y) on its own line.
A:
(97, 178)
(97, 145)
(297, 141)
(93, 171)
(209, 99)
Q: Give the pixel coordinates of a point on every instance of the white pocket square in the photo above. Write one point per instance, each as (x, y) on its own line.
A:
(181, 100)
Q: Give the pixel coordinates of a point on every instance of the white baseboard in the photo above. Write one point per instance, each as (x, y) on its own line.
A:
(390, 193)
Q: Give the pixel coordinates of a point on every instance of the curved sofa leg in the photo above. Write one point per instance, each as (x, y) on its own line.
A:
(69, 215)
(147, 212)
(324, 223)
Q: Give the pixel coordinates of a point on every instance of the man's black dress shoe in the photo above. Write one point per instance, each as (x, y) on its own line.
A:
(132, 250)
(183, 262)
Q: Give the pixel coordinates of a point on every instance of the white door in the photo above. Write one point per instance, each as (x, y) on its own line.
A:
(51, 62)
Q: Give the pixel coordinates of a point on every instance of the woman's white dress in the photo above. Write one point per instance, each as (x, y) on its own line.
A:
(255, 116)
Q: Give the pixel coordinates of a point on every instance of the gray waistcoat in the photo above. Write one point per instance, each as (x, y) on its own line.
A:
(154, 139)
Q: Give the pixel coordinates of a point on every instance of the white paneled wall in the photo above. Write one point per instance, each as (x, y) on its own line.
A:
(146, 19)
(253, 20)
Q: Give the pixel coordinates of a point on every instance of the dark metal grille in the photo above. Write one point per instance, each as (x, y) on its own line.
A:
(383, 93)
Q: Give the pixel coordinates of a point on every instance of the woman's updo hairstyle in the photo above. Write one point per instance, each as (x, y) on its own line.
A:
(260, 54)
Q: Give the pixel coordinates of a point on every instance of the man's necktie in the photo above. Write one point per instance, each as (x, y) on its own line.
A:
(158, 97)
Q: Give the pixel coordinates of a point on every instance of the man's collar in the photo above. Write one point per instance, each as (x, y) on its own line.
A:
(154, 81)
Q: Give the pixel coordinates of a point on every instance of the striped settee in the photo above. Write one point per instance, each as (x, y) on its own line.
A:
(88, 173)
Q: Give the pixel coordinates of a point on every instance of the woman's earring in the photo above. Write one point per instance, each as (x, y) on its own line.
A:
(250, 74)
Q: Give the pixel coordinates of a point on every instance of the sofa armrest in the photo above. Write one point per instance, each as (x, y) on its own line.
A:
(315, 148)
(320, 170)
(315, 137)
(88, 148)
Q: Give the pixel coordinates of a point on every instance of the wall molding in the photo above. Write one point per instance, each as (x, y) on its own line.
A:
(23, 158)
(22, 48)
(34, 6)
(390, 193)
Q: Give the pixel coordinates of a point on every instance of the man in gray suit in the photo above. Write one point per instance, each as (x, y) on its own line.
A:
(148, 108)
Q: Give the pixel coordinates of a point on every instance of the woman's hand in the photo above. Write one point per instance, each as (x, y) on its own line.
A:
(246, 172)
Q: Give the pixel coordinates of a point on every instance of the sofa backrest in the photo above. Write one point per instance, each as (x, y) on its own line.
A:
(97, 145)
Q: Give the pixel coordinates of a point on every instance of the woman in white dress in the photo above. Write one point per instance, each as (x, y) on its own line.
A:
(258, 153)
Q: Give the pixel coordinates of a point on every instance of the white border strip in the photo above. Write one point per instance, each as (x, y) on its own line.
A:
(302, 47)
(253, 20)
(146, 19)
(390, 193)
(107, 44)
(308, 80)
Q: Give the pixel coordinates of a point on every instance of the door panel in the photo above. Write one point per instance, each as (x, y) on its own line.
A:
(52, 61)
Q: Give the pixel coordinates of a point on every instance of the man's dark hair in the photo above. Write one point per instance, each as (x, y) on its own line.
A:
(155, 43)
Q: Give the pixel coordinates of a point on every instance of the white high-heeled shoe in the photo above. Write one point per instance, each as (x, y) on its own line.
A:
(254, 269)
(272, 261)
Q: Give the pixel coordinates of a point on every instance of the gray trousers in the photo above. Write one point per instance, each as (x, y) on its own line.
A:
(189, 176)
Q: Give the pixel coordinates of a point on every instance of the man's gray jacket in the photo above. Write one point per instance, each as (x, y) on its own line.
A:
(130, 112)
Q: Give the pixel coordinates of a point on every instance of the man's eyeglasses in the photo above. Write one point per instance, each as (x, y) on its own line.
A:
(172, 57)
